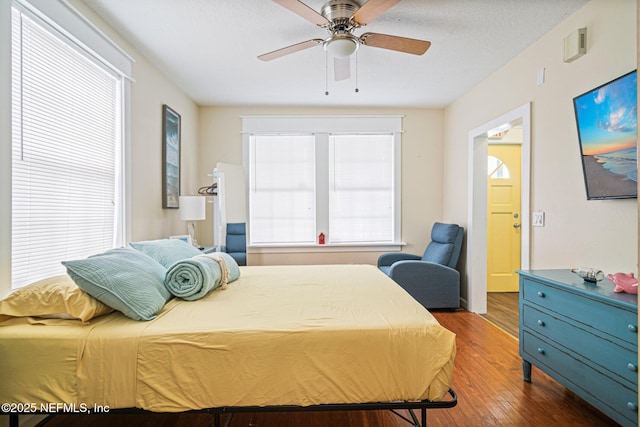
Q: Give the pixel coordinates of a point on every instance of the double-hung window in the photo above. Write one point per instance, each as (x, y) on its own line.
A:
(282, 188)
(335, 176)
(67, 144)
(361, 188)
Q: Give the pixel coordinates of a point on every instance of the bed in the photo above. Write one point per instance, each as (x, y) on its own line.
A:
(278, 337)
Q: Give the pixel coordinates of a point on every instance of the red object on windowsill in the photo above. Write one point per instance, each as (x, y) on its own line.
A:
(321, 239)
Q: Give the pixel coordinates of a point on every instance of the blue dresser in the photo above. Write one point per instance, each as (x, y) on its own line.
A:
(583, 335)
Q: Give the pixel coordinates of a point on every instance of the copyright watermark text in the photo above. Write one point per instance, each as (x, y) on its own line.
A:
(52, 408)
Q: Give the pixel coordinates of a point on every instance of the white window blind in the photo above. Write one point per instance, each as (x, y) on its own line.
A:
(361, 185)
(282, 189)
(66, 156)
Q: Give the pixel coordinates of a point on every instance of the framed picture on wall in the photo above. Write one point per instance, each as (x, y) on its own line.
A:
(170, 158)
(607, 119)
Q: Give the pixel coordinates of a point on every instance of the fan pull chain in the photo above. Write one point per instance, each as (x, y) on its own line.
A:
(326, 73)
(357, 90)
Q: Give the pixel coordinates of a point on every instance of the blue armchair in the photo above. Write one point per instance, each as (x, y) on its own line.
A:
(237, 242)
(431, 279)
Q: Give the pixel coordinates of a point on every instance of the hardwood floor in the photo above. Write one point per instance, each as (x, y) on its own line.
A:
(502, 309)
(487, 379)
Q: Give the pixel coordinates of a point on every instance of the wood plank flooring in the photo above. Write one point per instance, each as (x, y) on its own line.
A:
(487, 379)
(503, 310)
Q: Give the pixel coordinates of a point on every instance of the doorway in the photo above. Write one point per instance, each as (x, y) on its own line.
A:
(503, 210)
(477, 201)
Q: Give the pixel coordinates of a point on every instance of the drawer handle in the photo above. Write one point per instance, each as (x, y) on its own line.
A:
(541, 350)
(632, 406)
(541, 322)
(541, 294)
(633, 328)
(632, 367)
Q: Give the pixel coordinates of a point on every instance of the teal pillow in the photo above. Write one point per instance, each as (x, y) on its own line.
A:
(124, 279)
(232, 265)
(166, 251)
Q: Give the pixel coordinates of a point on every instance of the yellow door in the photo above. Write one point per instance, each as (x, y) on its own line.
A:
(503, 218)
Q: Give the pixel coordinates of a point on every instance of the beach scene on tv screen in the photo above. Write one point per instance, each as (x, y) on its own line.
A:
(608, 128)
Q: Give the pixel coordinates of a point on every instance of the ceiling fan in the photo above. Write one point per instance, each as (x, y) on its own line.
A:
(340, 18)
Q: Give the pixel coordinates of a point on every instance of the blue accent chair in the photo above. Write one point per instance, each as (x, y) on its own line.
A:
(237, 242)
(431, 279)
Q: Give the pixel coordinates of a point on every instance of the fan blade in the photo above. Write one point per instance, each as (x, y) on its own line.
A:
(371, 10)
(341, 67)
(304, 11)
(401, 44)
(290, 49)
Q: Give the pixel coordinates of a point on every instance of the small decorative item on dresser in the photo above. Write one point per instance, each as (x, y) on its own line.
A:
(589, 274)
(624, 282)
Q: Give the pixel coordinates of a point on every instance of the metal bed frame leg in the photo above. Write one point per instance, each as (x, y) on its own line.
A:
(412, 419)
(423, 416)
(217, 419)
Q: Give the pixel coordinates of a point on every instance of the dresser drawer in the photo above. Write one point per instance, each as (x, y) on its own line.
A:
(602, 352)
(607, 318)
(615, 399)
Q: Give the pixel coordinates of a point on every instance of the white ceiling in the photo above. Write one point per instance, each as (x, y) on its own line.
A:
(209, 48)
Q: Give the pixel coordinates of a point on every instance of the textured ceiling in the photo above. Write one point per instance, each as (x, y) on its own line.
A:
(209, 48)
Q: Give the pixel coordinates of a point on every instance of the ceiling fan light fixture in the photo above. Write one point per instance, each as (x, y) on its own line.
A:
(341, 46)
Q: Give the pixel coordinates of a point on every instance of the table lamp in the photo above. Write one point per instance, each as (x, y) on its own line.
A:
(192, 208)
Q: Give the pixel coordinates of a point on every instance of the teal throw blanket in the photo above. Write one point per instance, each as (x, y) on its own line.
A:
(193, 278)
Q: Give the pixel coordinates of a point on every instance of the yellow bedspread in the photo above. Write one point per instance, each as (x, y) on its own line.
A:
(294, 335)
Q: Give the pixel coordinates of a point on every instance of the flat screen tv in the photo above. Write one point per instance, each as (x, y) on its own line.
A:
(607, 119)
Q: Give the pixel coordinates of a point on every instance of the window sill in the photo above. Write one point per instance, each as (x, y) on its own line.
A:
(335, 247)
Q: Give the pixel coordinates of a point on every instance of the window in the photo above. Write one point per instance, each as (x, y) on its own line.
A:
(340, 178)
(496, 168)
(67, 149)
(361, 188)
(282, 189)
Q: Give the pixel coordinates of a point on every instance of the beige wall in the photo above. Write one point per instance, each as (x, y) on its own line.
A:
(422, 150)
(150, 90)
(578, 232)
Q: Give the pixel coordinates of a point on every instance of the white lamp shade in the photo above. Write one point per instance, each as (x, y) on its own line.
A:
(193, 208)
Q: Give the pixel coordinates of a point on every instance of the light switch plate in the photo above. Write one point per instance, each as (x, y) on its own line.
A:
(537, 219)
(540, 77)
